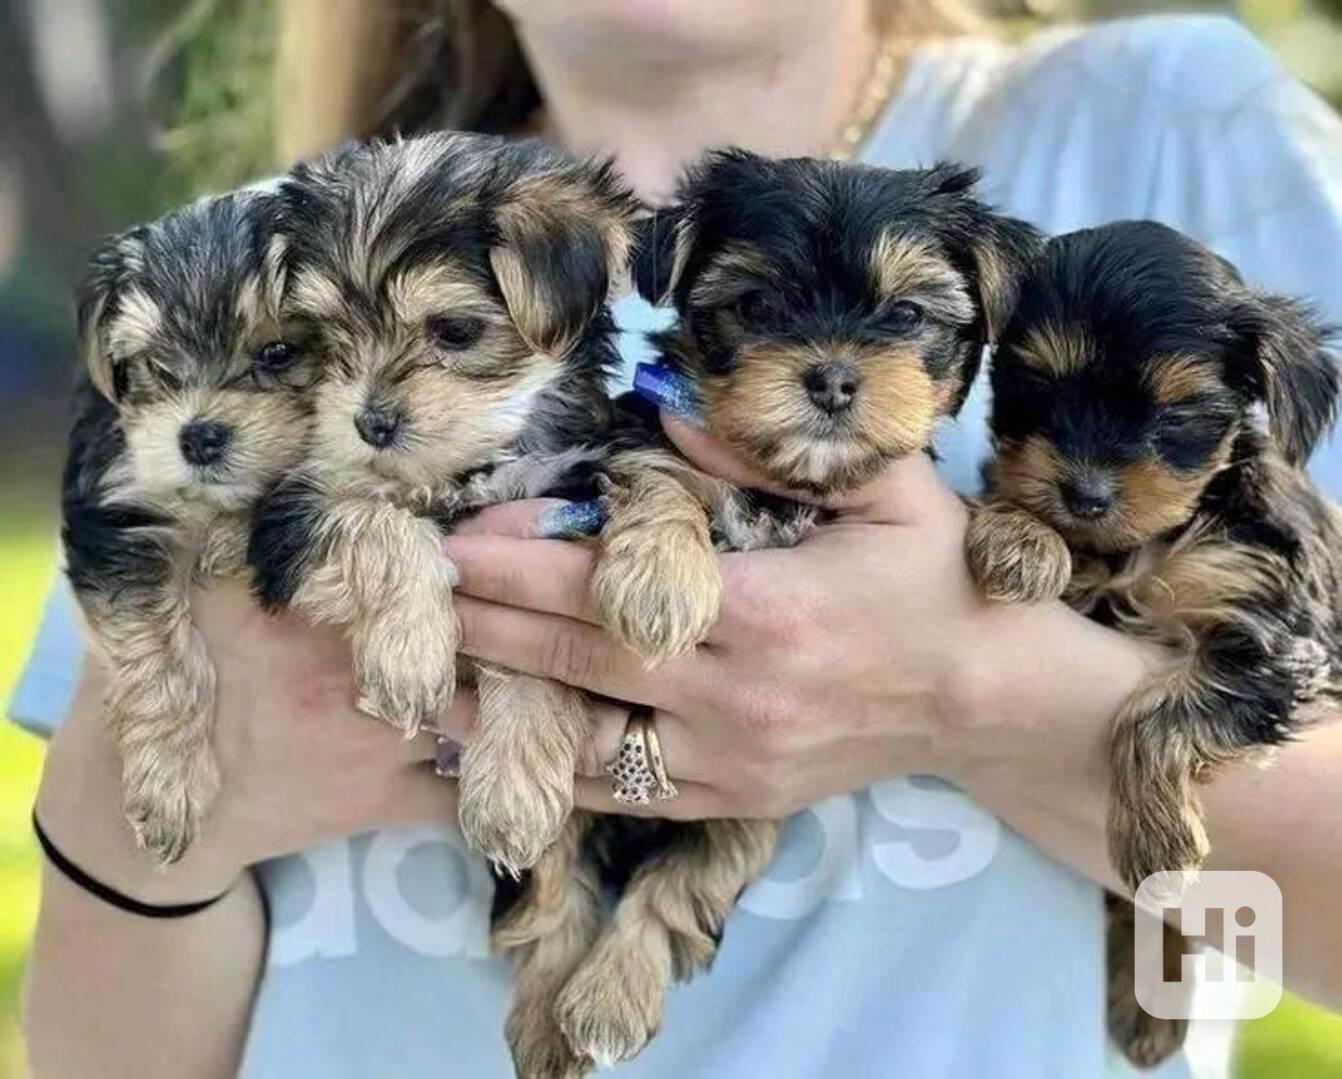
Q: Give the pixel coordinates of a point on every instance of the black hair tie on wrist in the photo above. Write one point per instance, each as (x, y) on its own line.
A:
(110, 895)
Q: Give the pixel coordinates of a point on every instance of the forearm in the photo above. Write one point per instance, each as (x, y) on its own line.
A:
(1036, 754)
(113, 994)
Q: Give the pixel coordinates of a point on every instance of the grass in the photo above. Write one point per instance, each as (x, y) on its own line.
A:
(27, 546)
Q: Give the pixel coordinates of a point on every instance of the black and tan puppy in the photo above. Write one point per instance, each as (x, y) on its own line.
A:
(192, 405)
(829, 315)
(1133, 476)
(455, 288)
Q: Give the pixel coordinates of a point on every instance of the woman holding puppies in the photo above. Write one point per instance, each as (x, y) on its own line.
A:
(863, 655)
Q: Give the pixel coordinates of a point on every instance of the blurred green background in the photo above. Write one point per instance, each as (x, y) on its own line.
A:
(98, 152)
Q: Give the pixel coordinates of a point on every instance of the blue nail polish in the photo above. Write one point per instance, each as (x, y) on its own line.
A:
(667, 389)
(572, 520)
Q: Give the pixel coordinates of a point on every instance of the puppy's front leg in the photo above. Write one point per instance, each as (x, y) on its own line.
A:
(517, 770)
(1143, 1038)
(656, 585)
(160, 710)
(549, 931)
(1014, 557)
(379, 571)
(667, 927)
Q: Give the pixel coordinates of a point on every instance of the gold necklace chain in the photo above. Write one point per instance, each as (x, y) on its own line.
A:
(885, 77)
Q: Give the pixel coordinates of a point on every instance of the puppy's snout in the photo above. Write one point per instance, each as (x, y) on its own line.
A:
(378, 426)
(832, 386)
(1088, 496)
(204, 442)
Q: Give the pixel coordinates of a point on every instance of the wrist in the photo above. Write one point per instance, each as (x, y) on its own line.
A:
(79, 805)
(1034, 691)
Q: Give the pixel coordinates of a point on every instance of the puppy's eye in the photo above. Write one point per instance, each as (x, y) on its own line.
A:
(164, 377)
(275, 356)
(755, 308)
(904, 316)
(1187, 441)
(455, 332)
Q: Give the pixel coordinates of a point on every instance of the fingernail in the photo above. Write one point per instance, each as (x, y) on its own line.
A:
(668, 389)
(572, 520)
(447, 758)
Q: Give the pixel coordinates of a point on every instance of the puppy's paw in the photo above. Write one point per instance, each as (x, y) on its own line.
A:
(166, 796)
(658, 592)
(405, 667)
(539, 1048)
(1016, 558)
(510, 815)
(1145, 1040)
(612, 1006)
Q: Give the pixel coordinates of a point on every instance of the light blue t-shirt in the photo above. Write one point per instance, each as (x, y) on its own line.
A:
(901, 931)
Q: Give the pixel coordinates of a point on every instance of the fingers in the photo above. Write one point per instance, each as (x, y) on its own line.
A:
(693, 801)
(552, 576)
(570, 651)
(520, 520)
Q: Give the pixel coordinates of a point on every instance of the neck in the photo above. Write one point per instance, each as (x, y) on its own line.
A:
(656, 101)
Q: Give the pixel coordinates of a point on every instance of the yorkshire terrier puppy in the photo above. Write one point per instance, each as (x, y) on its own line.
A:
(1132, 475)
(455, 288)
(192, 404)
(829, 315)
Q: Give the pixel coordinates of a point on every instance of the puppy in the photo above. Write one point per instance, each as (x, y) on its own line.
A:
(829, 315)
(456, 289)
(1132, 475)
(193, 402)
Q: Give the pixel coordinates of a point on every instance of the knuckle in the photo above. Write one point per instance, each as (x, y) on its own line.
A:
(768, 719)
(568, 657)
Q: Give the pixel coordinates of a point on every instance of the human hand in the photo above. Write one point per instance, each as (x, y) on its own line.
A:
(300, 765)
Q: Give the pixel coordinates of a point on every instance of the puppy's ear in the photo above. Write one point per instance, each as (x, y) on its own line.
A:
(660, 243)
(95, 304)
(1004, 253)
(1285, 361)
(995, 250)
(564, 239)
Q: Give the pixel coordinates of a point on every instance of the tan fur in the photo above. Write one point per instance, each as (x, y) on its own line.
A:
(907, 268)
(1151, 497)
(764, 412)
(517, 769)
(439, 288)
(721, 281)
(388, 582)
(656, 586)
(541, 205)
(269, 437)
(456, 409)
(998, 287)
(1015, 557)
(665, 929)
(1145, 1040)
(1177, 378)
(548, 933)
(136, 324)
(160, 712)
(1056, 350)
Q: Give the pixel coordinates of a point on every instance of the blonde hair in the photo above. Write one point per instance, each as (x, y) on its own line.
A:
(351, 68)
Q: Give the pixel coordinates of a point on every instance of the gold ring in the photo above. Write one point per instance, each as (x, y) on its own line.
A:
(638, 772)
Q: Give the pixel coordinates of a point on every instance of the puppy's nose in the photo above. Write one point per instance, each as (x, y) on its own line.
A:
(1088, 497)
(832, 385)
(204, 442)
(378, 426)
